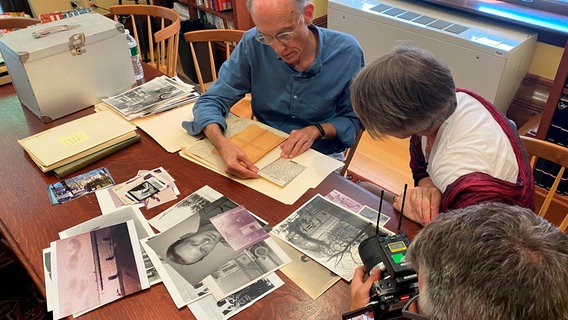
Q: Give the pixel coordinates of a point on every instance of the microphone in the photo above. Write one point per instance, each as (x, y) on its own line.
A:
(402, 208)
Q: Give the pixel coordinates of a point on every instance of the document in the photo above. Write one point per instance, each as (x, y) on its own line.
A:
(76, 139)
(316, 166)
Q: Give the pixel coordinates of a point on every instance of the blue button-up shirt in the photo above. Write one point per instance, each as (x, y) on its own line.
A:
(284, 98)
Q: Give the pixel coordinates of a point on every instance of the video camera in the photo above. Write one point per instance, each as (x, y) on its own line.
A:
(398, 282)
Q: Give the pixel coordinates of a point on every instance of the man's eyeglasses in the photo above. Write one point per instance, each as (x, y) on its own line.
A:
(283, 37)
(411, 310)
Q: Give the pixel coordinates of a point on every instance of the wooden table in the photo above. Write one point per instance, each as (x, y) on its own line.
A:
(29, 222)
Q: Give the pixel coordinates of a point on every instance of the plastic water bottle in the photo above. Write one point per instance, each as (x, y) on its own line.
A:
(134, 56)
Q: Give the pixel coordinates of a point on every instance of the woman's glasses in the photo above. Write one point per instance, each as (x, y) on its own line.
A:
(411, 310)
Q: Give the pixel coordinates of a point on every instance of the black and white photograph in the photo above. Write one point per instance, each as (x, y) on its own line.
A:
(207, 308)
(185, 208)
(181, 291)
(95, 268)
(246, 267)
(142, 100)
(145, 189)
(327, 233)
(80, 185)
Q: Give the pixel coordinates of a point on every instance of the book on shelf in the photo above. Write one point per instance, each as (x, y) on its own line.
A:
(546, 171)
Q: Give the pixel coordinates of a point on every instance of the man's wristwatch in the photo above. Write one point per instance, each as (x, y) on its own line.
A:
(320, 129)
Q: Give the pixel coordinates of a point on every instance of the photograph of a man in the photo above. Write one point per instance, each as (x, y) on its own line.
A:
(194, 248)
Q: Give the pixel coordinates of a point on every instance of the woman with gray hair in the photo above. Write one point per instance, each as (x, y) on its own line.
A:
(463, 151)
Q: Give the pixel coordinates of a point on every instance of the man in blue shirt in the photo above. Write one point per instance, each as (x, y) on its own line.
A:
(299, 77)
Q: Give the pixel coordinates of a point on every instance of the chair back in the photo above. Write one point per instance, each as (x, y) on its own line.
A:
(156, 29)
(537, 148)
(227, 37)
(7, 22)
(350, 152)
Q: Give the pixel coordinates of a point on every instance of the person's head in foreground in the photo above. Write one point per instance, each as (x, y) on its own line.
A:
(193, 247)
(489, 262)
(405, 92)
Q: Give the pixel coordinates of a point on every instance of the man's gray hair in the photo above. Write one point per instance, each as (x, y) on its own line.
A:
(492, 262)
(300, 5)
(404, 92)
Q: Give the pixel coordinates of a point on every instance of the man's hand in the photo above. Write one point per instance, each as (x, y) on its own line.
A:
(422, 203)
(361, 286)
(235, 160)
(298, 142)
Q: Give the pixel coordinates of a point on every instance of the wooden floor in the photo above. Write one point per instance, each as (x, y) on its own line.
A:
(384, 162)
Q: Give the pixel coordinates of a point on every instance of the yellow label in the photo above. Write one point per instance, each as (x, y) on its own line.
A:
(73, 139)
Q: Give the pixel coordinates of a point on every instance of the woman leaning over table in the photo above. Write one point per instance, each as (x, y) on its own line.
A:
(463, 151)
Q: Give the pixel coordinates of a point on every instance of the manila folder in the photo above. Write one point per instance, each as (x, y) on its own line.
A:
(78, 137)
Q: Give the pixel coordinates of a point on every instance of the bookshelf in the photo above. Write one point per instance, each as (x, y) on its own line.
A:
(556, 91)
(544, 131)
(237, 17)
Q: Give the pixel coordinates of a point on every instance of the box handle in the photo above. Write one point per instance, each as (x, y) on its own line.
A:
(44, 32)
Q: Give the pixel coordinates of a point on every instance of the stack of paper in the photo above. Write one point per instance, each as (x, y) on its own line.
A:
(155, 96)
(77, 139)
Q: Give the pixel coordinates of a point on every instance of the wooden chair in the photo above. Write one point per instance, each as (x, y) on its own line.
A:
(226, 37)
(157, 35)
(350, 152)
(537, 148)
(17, 22)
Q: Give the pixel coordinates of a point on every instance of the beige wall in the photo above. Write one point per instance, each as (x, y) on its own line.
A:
(545, 60)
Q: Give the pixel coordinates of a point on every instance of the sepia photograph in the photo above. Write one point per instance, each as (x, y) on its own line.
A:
(328, 233)
(95, 268)
(124, 214)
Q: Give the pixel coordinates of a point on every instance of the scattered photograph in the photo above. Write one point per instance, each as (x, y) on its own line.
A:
(245, 268)
(95, 268)
(185, 208)
(239, 228)
(373, 214)
(181, 291)
(124, 214)
(308, 274)
(328, 233)
(80, 185)
(344, 201)
(207, 308)
(146, 189)
(151, 97)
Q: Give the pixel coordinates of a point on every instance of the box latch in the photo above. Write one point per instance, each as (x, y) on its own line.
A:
(77, 44)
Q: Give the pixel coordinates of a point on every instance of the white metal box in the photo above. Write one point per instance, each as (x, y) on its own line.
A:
(67, 70)
(488, 58)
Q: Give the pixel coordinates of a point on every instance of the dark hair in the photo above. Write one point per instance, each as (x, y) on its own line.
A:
(492, 262)
(403, 93)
